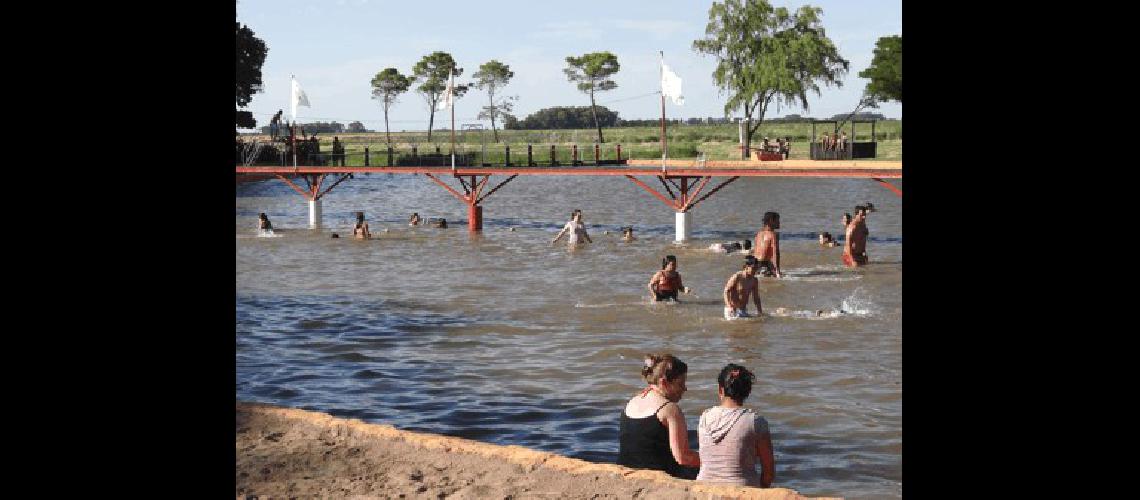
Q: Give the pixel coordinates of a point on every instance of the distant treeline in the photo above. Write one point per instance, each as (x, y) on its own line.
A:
(562, 117)
(580, 117)
(323, 128)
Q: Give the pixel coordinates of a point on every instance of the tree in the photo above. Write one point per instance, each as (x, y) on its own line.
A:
(356, 127)
(387, 85)
(591, 72)
(767, 54)
(885, 73)
(433, 71)
(251, 53)
(492, 77)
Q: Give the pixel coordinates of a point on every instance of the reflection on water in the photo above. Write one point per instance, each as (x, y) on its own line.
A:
(504, 338)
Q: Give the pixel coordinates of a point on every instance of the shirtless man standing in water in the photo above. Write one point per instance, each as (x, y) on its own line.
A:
(742, 285)
(855, 248)
(767, 246)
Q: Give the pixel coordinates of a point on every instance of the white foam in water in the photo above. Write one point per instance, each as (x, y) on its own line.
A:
(852, 306)
(267, 234)
(829, 273)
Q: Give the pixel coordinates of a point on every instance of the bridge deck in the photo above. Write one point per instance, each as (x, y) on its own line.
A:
(674, 168)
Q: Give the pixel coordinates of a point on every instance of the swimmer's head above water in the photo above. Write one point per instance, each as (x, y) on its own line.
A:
(669, 259)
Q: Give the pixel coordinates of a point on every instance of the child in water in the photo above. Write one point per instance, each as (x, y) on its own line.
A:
(263, 224)
(627, 234)
(666, 283)
(826, 240)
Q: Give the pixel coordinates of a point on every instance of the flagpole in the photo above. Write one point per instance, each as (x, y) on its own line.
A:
(452, 96)
(664, 151)
(293, 129)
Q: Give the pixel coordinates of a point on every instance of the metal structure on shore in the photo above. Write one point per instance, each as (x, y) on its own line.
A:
(683, 180)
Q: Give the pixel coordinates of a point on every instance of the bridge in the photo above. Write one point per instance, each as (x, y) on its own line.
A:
(683, 180)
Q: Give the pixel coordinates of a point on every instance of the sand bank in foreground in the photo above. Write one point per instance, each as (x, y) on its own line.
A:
(284, 452)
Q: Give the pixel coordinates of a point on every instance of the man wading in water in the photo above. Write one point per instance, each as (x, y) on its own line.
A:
(740, 287)
(855, 248)
(767, 247)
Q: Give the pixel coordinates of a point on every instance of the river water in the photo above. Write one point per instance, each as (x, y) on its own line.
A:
(503, 338)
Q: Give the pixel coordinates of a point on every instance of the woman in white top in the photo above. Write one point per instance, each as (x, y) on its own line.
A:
(576, 229)
(732, 438)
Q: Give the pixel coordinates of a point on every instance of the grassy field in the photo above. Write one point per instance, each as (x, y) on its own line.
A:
(715, 142)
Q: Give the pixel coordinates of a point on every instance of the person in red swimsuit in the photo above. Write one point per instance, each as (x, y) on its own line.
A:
(666, 283)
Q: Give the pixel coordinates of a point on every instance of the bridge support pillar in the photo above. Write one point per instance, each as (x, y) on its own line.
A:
(314, 214)
(474, 218)
(682, 226)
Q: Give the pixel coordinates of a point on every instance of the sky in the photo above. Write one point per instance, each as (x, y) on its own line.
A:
(335, 47)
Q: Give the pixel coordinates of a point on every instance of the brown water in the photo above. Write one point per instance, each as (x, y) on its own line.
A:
(503, 338)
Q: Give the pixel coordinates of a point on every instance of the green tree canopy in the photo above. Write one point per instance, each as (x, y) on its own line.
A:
(492, 77)
(251, 53)
(767, 54)
(885, 71)
(592, 72)
(432, 73)
(387, 86)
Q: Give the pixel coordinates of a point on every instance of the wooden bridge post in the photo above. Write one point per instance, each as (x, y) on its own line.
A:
(597, 154)
(574, 155)
(389, 156)
(366, 157)
(619, 152)
(530, 155)
(508, 155)
(553, 160)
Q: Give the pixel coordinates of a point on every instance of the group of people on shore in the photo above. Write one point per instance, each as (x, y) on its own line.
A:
(834, 141)
(782, 146)
(732, 438)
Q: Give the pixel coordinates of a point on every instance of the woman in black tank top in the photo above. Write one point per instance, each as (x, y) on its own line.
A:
(644, 442)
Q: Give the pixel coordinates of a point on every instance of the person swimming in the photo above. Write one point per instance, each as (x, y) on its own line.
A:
(666, 283)
(414, 220)
(439, 222)
(827, 240)
(627, 233)
(736, 246)
(263, 224)
(742, 286)
(360, 229)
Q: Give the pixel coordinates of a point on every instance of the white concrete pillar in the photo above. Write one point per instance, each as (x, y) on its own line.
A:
(682, 226)
(314, 214)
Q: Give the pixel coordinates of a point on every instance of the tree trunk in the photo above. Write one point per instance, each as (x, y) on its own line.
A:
(746, 151)
(594, 110)
(431, 121)
(387, 134)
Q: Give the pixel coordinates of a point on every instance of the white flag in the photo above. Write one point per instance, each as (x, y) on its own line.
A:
(298, 99)
(447, 99)
(671, 85)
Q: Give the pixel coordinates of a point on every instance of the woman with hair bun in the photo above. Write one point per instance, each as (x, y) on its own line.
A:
(732, 437)
(653, 434)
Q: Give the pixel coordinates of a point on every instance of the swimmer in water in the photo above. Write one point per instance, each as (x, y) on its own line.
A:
(818, 313)
(826, 240)
(740, 287)
(767, 247)
(575, 228)
(736, 246)
(334, 235)
(263, 224)
(855, 247)
(360, 230)
(666, 283)
(627, 234)
(414, 220)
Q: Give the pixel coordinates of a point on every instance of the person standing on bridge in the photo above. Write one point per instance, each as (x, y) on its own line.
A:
(575, 228)
(855, 247)
(767, 246)
(275, 125)
(338, 152)
(360, 230)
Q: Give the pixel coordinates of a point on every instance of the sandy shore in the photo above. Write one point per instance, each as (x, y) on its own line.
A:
(285, 452)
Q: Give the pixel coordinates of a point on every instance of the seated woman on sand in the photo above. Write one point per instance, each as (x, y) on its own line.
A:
(666, 283)
(732, 437)
(735, 246)
(263, 224)
(360, 229)
(652, 433)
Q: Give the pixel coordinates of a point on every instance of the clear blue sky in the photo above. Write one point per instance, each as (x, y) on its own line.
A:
(335, 47)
